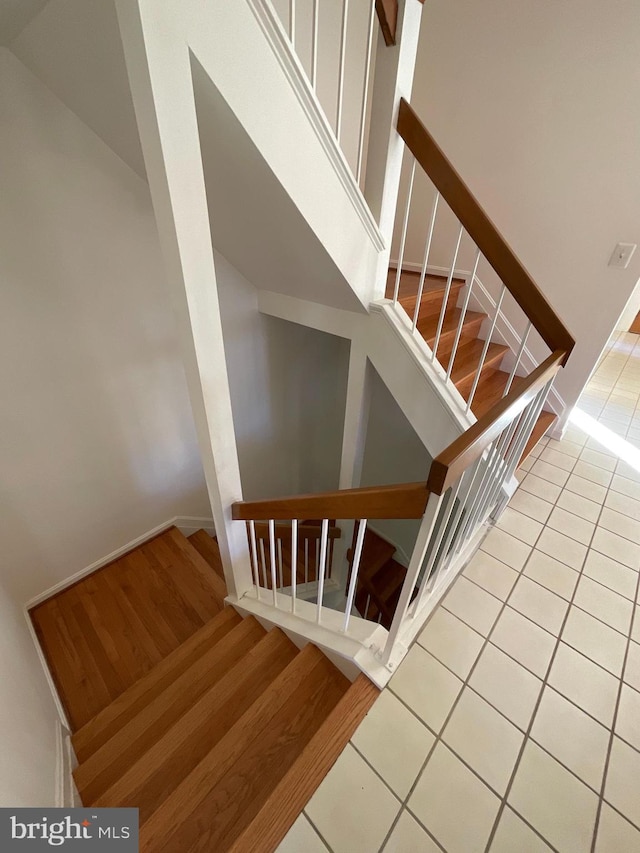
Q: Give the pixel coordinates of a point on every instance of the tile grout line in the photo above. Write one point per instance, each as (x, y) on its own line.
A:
(545, 684)
(617, 471)
(465, 683)
(615, 720)
(551, 592)
(527, 736)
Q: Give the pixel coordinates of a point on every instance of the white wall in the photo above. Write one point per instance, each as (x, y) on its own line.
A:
(393, 454)
(630, 311)
(98, 441)
(535, 105)
(288, 390)
(74, 47)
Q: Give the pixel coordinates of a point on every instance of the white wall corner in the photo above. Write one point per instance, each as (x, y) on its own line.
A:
(158, 62)
(66, 793)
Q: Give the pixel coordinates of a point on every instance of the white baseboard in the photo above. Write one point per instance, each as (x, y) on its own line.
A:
(185, 524)
(401, 555)
(67, 796)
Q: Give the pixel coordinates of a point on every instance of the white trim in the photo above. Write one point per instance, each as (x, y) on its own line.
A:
(60, 781)
(47, 673)
(358, 647)
(66, 793)
(416, 346)
(401, 555)
(432, 269)
(512, 339)
(279, 42)
(185, 524)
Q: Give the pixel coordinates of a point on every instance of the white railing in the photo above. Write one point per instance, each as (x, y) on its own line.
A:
(293, 581)
(294, 559)
(335, 44)
(453, 235)
(453, 524)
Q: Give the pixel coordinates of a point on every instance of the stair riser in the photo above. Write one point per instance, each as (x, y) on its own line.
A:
(97, 774)
(189, 797)
(98, 731)
(469, 332)
(236, 800)
(149, 782)
(431, 301)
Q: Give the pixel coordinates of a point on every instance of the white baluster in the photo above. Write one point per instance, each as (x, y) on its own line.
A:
(280, 566)
(272, 555)
(443, 310)
(463, 315)
(355, 567)
(343, 50)
(427, 249)
(415, 564)
(292, 22)
(254, 556)
(403, 238)
(294, 563)
(365, 90)
(523, 344)
(263, 563)
(314, 45)
(485, 349)
(437, 552)
(322, 565)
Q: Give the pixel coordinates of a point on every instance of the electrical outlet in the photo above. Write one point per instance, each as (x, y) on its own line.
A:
(622, 254)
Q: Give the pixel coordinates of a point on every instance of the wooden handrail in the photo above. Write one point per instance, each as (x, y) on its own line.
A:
(482, 231)
(467, 448)
(387, 12)
(407, 500)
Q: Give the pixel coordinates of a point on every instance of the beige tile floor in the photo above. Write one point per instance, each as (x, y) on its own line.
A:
(513, 724)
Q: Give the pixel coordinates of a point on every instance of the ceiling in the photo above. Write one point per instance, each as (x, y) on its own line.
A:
(15, 15)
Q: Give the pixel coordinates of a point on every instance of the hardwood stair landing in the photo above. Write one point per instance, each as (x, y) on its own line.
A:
(222, 740)
(109, 629)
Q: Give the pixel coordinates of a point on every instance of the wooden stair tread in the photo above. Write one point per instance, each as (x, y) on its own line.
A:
(467, 359)
(209, 583)
(376, 552)
(208, 549)
(428, 326)
(542, 426)
(372, 611)
(100, 770)
(98, 730)
(106, 631)
(432, 293)
(387, 580)
(150, 780)
(235, 779)
(490, 390)
(434, 285)
(273, 820)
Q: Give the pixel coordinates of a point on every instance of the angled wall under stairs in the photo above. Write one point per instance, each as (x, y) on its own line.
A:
(216, 729)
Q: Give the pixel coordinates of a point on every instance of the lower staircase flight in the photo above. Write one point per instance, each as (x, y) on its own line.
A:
(221, 743)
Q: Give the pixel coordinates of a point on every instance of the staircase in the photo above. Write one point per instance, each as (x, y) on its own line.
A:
(493, 379)
(222, 742)
(380, 579)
